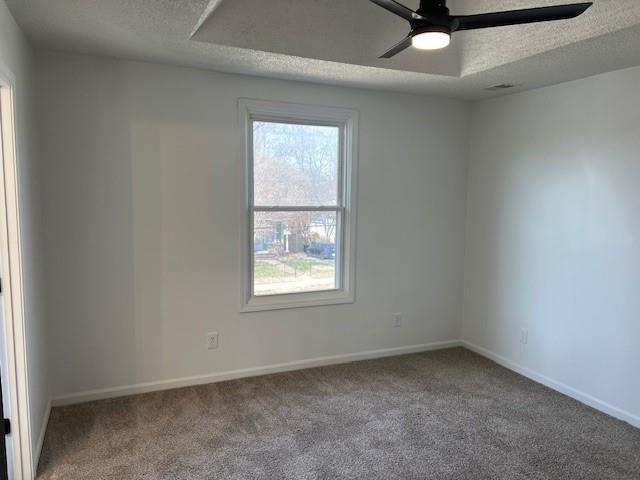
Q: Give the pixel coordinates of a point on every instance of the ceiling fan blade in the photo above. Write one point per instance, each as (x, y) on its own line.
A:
(403, 45)
(517, 17)
(398, 9)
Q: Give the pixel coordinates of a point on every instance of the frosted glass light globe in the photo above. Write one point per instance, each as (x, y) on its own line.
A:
(431, 40)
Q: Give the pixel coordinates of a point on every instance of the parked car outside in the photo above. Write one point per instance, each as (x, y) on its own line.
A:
(321, 250)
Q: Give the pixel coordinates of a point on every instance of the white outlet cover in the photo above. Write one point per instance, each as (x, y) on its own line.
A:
(397, 320)
(212, 340)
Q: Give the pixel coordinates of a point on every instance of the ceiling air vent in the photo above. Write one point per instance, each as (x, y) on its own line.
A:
(501, 86)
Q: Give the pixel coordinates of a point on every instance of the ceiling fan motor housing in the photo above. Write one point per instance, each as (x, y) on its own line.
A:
(430, 28)
(431, 7)
(437, 13)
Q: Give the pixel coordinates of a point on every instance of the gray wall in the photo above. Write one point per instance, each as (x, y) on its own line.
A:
(553, 236)
(142, 224)
(16, 57)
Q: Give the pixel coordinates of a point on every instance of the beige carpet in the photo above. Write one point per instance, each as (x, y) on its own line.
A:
(440, 415)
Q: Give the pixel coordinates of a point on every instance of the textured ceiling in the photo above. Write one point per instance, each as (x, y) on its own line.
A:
(338, 41)
(479, 52)
(354, 32)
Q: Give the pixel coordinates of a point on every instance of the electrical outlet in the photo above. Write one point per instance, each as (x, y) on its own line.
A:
(397, 320)
(212, 340)
(524, 336)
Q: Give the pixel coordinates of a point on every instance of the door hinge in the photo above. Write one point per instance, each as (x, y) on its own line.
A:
(6, 423)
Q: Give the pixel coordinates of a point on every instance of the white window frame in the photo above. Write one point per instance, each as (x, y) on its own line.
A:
(347, 121)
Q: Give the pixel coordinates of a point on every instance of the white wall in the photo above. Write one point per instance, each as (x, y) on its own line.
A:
(142, 224)
(16, 57)
(553, 236)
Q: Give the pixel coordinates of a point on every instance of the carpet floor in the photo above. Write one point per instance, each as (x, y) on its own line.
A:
(448, 414)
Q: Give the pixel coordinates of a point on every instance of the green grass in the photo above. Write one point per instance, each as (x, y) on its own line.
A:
(302, 265)
(264, 270)
(292, 266)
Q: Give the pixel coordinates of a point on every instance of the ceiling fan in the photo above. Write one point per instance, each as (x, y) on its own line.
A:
(432, 25)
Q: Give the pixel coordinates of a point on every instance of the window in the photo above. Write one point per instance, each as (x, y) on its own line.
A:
(299, 228)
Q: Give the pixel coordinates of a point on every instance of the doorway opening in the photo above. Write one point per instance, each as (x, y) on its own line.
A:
(15, 424)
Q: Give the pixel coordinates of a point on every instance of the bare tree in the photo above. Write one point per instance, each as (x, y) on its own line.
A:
(296, 165)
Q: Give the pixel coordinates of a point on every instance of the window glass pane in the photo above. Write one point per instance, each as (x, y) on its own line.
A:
(294, 252)
(295, 165)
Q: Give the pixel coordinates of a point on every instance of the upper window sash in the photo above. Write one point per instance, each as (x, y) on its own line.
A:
(291, 195)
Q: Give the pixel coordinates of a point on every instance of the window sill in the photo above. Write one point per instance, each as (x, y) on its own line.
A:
(296, 300)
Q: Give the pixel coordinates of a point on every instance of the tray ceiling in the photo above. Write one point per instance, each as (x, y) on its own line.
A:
(339, 41)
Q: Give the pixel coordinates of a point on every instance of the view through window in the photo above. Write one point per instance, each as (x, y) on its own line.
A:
(297, 207)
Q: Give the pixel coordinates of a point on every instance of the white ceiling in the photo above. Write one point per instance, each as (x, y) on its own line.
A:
(339, 41)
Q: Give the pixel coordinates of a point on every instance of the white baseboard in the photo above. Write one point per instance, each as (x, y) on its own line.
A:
(555, 385)
(43, 431)
(146, 387)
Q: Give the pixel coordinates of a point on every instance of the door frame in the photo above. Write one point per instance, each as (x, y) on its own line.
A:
(12, 283)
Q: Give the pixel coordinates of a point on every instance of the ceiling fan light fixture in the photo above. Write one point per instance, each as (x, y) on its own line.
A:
(431, 40)
(432, 24)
